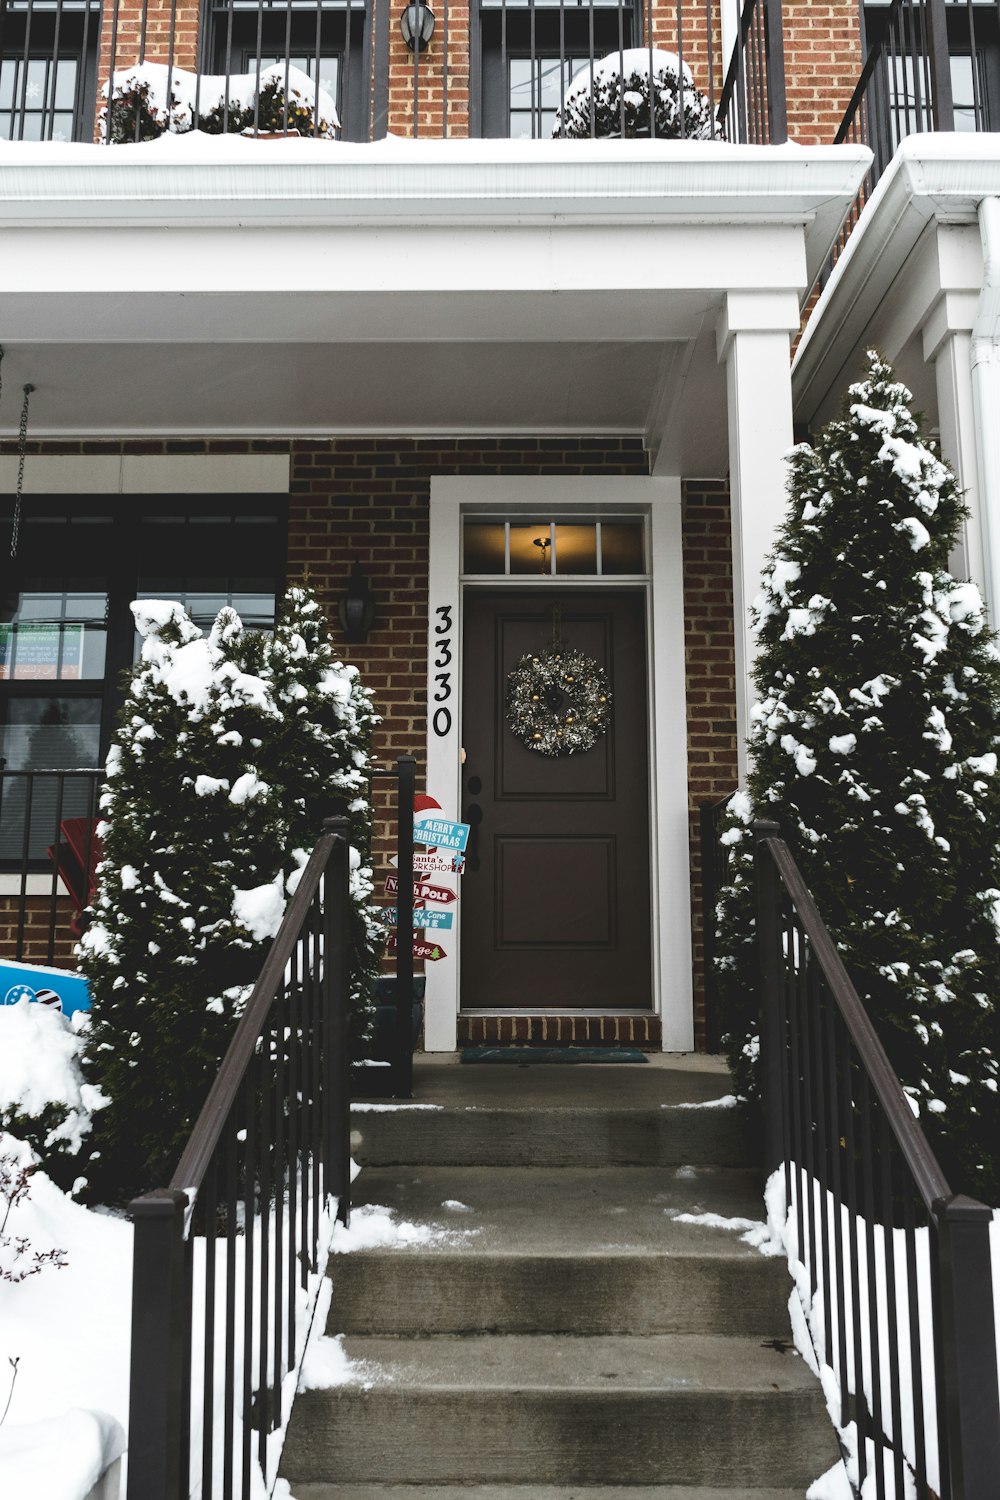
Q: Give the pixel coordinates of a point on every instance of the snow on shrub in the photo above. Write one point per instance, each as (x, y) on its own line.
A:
(874, 745)
(230, 752)
(617, 103)
(44, 1098)
(144, 104)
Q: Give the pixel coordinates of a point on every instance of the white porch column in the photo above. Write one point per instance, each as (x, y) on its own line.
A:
(947, 344)
(985, 364)
(754, 340)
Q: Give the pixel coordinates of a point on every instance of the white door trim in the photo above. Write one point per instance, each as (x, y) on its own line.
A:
(659, 500)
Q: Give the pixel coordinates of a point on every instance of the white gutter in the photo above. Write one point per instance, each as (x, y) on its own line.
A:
(985, 362)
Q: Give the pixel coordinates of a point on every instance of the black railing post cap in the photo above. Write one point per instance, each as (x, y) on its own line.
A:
(159, 1203)
(766, 828)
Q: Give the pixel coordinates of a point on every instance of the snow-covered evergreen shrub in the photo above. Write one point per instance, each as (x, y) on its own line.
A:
(191, 887)
(617, 102)
(145, 105)
(874, 744)
(319, 756)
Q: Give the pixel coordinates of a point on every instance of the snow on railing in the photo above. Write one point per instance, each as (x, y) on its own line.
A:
(894, 1302)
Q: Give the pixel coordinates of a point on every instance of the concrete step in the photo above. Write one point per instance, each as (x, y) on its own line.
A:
(551, 1250)
(665, 1409)
(654, 1114)
(534, 1492)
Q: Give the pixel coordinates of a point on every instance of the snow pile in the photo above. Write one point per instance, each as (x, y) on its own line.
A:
(613, 99)
(43, 1095)
(59, 1458)
(64, 1343)
(149, 99)
(373, 1227)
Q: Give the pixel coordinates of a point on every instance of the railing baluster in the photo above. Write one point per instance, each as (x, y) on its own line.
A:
(916, 1365)
(886, 1157)
(871, 1276)
(837, 1048)
(209, 1198)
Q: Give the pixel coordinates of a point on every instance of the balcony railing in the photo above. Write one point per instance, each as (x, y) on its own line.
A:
(929, 65)
(127, 70)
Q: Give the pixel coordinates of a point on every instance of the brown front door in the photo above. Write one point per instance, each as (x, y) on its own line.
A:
(556, 896)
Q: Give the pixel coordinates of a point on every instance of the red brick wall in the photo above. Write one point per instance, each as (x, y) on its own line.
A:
(33, 938)
(711, 678)
(822, 65)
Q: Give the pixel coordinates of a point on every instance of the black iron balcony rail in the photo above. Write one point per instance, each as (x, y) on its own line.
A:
(894, 1266)
(928, 65)
(126, 70)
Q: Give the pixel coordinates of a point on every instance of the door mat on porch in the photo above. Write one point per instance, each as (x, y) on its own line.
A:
(525, 1055)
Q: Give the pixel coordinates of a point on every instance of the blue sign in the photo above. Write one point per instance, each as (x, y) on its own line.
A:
(441, 833)
(59, 988)
(422, 918)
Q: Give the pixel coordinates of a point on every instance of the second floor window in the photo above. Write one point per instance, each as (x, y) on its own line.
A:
(48, 70)
(531, 50)
(902, 94)
(324, 41)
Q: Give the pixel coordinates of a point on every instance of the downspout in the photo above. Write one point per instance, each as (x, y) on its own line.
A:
(985, 363)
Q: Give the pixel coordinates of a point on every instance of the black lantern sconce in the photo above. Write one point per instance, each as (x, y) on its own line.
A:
(356, 607)
(417, 25)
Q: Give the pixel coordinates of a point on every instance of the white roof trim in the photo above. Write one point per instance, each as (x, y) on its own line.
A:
(943, 177)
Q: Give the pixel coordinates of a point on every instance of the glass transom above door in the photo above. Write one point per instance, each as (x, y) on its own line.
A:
(565, 549)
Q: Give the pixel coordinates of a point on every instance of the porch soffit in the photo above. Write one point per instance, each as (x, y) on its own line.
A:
(916, 242)
(408, 287)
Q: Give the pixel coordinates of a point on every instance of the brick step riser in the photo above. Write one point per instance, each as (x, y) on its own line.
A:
(555, 1138)
(391, 1435)
(604, 1294)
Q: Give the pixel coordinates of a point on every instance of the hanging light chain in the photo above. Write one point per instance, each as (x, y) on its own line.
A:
(22, 443)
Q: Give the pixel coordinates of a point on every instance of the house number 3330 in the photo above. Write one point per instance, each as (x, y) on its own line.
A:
(441, 662)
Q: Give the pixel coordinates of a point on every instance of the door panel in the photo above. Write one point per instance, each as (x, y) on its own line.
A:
(556, 894)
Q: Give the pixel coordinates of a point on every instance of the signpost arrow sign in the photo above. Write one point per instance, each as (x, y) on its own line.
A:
(436, 920)
(433, 864)
(422, 891)
(429, 951)
(440, 833)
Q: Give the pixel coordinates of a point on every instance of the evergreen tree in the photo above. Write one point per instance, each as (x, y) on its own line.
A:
(191, 888)
(319, 757)
(874, 745)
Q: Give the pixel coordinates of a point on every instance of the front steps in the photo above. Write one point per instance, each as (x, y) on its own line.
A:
(574, 1341)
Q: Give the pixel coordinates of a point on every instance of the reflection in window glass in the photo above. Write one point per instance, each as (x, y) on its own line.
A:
(576, 549)
(50, 733)
(621, 547)
(536, 89)
(484, 547)
(531, 548)
(54, 628)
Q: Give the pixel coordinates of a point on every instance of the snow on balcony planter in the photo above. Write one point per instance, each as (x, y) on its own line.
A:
(617, 101)
(144, 106)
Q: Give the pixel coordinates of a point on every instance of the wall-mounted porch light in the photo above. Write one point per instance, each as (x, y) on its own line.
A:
(356, 607)
(417, 25)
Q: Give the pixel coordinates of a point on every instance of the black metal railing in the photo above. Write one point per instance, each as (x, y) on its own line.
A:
(227, 1257)
(716, 859)
(928, 65)
(48, 850)
(126, 70)
(892, 1267)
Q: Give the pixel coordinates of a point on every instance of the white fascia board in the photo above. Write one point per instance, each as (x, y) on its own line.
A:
(931, 178)
(150, 474)
(229, 179)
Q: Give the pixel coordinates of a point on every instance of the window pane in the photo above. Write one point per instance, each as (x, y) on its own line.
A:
(576, 549)
(621, 547)
(50, 733)
(484, 547)
(54, 628)
(530, 548)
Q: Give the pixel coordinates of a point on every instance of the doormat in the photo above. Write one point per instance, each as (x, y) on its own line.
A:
(526, 1055)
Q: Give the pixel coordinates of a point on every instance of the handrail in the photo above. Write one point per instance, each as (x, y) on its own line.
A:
(870, 1222)
(204, 1138)
(239, 1236)
(920, 1159)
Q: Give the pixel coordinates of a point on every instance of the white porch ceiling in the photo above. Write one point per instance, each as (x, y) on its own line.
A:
(230, 287)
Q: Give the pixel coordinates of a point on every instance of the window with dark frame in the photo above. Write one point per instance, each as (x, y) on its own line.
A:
(48, 68)
(67, 635)
(321, 40)
(530, 50)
